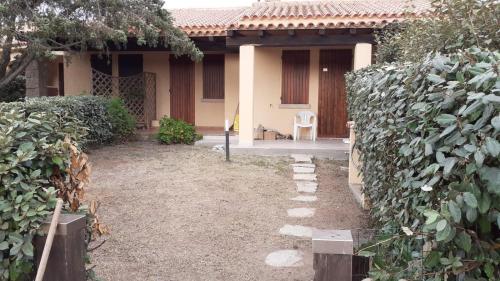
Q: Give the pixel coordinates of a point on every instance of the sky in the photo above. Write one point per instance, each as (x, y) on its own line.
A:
(173, 4)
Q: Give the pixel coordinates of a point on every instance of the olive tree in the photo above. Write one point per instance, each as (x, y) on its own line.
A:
(33, 29)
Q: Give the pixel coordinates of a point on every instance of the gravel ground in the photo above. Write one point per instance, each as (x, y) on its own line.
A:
(183, 213)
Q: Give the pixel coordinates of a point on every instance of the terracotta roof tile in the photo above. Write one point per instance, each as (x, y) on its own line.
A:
(297, 15)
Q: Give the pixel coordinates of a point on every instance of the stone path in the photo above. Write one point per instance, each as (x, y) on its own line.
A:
(306, 181)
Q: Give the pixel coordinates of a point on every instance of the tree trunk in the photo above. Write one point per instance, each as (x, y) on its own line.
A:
(25, 60)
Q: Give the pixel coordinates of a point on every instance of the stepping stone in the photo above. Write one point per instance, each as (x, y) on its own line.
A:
(296, 230)
(303, 170)
(305, 165)
(301, 212)
(302, 158)
(305, 198)
(304, 177)
(344, 169)
(285, 258)
(306, 186)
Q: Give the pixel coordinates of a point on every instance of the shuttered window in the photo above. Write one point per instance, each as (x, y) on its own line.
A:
(213, 77)
(295, 77)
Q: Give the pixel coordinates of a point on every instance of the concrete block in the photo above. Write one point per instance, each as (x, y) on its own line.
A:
(303, 170)
(304, 177)
(305, 186)
(337, 242)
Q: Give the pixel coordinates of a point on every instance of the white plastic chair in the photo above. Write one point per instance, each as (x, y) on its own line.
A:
(305, 119)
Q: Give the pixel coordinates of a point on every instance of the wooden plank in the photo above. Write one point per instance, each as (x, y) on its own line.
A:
(360, 268)
(213, 76)
(332, 267)
(306, 40)
(295, 77)
(332, 103)
(182, 89)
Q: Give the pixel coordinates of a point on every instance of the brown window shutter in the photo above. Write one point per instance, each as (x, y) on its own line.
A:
(213, 76)
(295, 77)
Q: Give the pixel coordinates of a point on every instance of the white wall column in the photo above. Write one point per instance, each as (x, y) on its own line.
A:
(362, 58)
(362, 55)
(246, 95)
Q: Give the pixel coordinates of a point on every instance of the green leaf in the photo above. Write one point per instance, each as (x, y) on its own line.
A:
(4, 245)
(448, 130)
(445, 119)
(57, 160)
(470, 199)
(489, 270)
(431, 215)
(493, 146)
(479, 158)
(441, 225)
(432, 259)
(492, 98)
(471, 214)
(464, 241)
(28, 249)
(455, 211)
(366, 254)
(448, 165)
(436, 79)
(491, 175)
(444, 234)
(484, 203)
(495, 122)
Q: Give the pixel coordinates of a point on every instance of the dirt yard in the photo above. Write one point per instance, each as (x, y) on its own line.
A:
(183, 213)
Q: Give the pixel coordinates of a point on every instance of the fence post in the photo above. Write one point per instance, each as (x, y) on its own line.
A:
(67, 257)
(333, 251)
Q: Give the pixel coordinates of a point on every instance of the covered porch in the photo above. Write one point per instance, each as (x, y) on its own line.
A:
(278, 82)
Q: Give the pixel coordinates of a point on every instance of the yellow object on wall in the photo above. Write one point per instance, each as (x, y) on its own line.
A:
(236, 126)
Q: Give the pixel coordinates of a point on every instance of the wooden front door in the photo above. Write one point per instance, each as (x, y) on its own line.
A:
(182, 89)
(332, 103)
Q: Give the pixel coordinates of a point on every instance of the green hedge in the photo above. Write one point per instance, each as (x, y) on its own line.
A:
(13, 91)
(32, 151)
(106, 120)
(428, 136)
(174, 131)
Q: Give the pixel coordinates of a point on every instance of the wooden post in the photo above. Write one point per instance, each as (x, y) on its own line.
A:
(67, 257)
(333, 251)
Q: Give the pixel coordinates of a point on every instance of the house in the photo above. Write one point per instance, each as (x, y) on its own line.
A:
(264, 62)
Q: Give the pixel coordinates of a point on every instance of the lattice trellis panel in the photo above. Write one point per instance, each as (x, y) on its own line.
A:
(138, 93)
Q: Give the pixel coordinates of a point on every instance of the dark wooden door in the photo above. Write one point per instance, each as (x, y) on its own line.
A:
(332, 103)
(182, 89)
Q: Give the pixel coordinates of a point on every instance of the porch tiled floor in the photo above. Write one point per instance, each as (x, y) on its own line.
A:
(323, 148)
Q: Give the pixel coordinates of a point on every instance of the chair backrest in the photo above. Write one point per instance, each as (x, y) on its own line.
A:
(305, 117)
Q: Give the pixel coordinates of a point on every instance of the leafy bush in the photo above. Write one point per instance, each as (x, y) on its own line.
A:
(454, 25)
(122, 122)
(34, 158)
(176, 131)
(13, 91)
(428, 136)
(91, 111)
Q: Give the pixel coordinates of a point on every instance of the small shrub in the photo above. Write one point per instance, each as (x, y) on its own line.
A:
(34, 162)
(122, 122)
(13, 91)
(91, 111)
(429, 140)
(454, 25)
(176, 131)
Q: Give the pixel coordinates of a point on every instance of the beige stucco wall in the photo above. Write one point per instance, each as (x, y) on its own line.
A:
(362, 58)
(157, 63)
(208, 113)
(77, 75)
(268, 109)
(231, 81)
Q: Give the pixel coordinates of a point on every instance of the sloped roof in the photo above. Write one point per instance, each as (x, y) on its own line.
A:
(297, 15)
